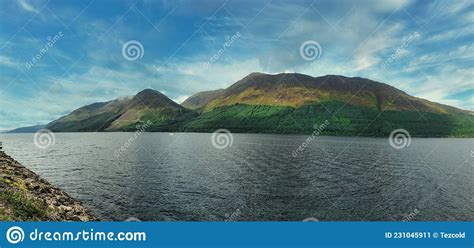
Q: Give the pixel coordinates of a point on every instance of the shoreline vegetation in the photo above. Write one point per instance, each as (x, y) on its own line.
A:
(321, 133)
(25, 196)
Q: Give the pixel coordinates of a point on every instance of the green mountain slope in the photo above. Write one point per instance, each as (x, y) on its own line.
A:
(343, 119)
(93, 117)
(148, 106)
(294, 103)
(282, 103)
(295, 90)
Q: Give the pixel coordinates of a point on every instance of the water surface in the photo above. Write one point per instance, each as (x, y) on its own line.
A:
(182, 176)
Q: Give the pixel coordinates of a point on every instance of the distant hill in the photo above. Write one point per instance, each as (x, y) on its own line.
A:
(281, 103)
(92, 118)
(150, 105)
(200, 99)
(30, 129)
(124, 114)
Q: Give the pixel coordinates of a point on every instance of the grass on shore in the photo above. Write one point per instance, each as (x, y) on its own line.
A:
(17, 205)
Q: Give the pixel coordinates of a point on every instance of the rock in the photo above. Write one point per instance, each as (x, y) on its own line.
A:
(55, 204)
(75, 218)
(65, 208)
(45, 190)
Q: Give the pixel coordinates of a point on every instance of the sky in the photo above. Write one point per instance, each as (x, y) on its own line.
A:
(56, 56)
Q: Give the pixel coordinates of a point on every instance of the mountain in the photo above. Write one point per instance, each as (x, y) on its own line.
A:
(30, 129)
(153, 107)
(124, 114)
(281, 103)
(295, 103)
(296, 90)
(200, 99)
(93, 117)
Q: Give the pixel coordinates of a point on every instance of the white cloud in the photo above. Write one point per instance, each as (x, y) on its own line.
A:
(442, 58)
(438, 86)
(455, 7)
(27, 6)
(388, 5)
(451, 34)
(188, 78)
(60, 95)
(9, 62)
(180, 99)
(355, 38)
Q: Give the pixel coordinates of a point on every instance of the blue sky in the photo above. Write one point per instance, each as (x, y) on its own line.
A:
(422, 47)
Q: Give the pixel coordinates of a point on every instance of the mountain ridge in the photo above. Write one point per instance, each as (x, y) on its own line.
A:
(330, 86)
(278, 103)
(26, 129)
(201, 98)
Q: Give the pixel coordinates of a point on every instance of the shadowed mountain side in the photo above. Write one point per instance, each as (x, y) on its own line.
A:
(152, 107)
(124, 114)
(30, 129)
(93, 117)
(281, 103)
(200, 99)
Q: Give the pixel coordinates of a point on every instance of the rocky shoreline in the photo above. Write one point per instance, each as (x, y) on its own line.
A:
(24, 196)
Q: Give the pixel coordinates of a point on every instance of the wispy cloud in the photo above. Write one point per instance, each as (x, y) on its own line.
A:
(27, 6)
(9, 62)
(179, 37)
